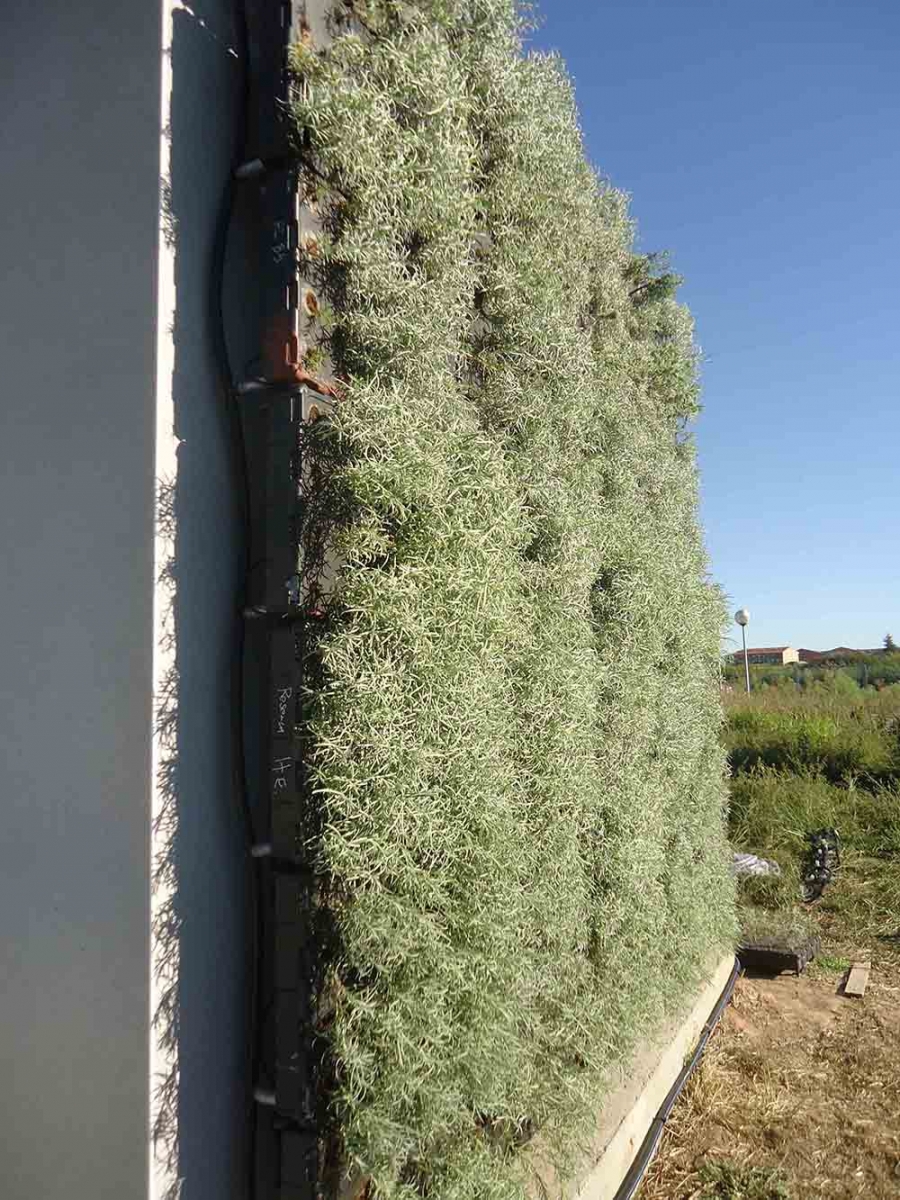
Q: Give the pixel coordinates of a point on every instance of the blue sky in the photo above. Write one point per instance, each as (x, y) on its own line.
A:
(761, 145)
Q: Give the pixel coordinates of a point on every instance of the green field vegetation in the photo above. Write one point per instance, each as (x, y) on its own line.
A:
(515, 735)
(803, 759)
(849, 671)
(831, 727)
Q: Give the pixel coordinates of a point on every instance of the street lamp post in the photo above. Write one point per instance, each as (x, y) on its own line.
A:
(742, 616)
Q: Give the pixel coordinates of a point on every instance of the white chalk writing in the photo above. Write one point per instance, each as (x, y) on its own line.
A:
(282, 696)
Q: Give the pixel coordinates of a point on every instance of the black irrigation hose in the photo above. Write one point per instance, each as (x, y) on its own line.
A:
(644, 1156)
(228, 387)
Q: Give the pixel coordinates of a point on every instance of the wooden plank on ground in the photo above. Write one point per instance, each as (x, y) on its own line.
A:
(858, 979)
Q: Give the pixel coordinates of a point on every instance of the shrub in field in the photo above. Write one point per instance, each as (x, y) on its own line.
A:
(838, 732)
(514, 738)
(732, 1181)
(882, 671)
(790, 677)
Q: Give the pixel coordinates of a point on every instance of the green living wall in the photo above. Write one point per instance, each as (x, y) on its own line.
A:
(515, 726)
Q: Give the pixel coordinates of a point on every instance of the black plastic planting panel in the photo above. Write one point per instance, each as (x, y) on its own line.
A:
(275, 409)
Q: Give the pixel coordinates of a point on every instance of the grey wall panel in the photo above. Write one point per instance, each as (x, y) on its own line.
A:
(79, 146)
(211, 857)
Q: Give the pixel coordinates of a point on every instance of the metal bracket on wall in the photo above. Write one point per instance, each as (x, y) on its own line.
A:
(274, 408)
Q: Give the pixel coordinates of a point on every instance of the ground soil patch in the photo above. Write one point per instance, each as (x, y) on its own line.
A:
(799, 1093)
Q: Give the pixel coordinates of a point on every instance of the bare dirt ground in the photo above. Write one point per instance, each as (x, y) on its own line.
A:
(798, 1094)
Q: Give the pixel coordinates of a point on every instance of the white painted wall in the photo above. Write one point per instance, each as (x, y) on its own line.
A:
(108, 384)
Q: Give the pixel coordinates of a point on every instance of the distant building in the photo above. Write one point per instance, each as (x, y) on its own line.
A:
(768, 656)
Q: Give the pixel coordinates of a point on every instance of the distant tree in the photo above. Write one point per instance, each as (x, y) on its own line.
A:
(889, 643)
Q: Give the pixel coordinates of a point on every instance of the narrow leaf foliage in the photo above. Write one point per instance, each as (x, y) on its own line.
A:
(514, 739)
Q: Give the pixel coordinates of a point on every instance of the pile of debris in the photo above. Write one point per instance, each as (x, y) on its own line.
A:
(791, 949)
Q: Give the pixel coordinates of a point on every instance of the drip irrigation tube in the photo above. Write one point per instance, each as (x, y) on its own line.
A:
(644, 1156)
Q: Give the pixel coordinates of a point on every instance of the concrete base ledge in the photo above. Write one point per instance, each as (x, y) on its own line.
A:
(631, 1106)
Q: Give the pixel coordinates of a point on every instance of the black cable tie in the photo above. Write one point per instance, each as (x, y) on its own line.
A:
(255, 611)
(255, 167)
(248, 170)
(251, 387)
(296, 613)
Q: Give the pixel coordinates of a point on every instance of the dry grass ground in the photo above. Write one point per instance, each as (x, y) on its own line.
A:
(798, 1096)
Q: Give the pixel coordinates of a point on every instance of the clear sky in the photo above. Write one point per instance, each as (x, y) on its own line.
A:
(761, 145)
